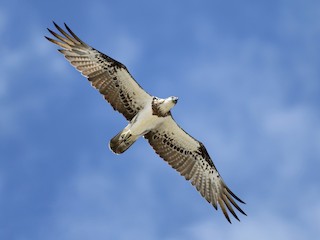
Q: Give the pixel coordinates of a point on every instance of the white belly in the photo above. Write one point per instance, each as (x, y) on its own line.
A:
(144, 122)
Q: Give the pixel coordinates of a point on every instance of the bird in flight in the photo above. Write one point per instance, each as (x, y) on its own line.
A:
(147, 116)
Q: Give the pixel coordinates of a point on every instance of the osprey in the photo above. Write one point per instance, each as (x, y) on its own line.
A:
(147, 116)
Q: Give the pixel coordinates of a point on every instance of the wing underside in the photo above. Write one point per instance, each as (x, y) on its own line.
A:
(190, 158)
(110, 77)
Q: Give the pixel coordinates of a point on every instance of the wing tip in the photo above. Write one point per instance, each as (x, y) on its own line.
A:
(227, 198)
(50, 39)
(54, 23)
(234, 196)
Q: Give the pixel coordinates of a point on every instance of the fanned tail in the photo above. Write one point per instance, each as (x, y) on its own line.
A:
(122, 141)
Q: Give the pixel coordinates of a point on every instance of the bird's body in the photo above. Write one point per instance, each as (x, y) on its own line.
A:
(147, 119)
(150, 117)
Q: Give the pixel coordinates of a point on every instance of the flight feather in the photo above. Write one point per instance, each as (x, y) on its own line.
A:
(190, 158)
(107, 75)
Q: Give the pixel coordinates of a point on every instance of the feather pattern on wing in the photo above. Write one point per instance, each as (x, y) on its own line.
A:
(191, 159)
(184, 153)
(107, 75)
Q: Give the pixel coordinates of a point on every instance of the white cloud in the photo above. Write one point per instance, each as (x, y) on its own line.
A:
(91, 205)
(295, 133)
(249, 87)
(248, 84)
(15, 70)
(12, 60)
(265, 227)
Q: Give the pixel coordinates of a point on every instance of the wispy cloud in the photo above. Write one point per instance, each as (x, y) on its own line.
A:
(252, 99)
(91, 205)
(264, 226)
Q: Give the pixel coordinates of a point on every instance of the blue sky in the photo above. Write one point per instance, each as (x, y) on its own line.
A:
(248, 79)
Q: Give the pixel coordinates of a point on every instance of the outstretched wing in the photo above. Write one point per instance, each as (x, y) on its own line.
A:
(191, 159)
(107, 75)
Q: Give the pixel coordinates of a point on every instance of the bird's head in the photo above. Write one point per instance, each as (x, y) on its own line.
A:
(169, 103)
(162, 107)
(174, 99)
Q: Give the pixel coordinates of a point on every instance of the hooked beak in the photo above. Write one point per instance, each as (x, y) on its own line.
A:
(175, 100)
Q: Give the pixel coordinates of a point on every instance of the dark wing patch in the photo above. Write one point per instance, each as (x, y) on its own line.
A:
(107, 75)
(191, 159)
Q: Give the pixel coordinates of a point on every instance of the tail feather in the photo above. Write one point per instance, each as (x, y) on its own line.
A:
(122, 141)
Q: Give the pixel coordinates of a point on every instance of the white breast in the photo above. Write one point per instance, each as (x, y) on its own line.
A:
(144, 121)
